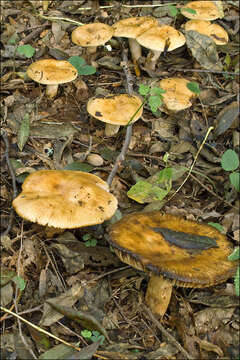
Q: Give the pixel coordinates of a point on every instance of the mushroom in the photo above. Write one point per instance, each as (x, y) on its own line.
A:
(65, 199)
(115, 110)
(173, 251)
(177, 96)
(131, 28)
(91, 36)
(52, 72)
(215, 31)
(205, 10)
(159, 39)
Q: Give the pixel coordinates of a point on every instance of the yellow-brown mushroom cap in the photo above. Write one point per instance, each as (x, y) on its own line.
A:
(133, 26)
(157, 37)
(205, 10)
(138, 244)
(95, 34)
(52, 72)
(115, 109)
(215, 31)
(65, 199)
(177, 96)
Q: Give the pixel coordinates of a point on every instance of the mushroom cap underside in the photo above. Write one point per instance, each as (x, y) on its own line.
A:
(52, 72)
(115, 109)
(65, 199)
(138, 244)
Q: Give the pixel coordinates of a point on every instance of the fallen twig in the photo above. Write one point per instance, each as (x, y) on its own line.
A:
(206, 71)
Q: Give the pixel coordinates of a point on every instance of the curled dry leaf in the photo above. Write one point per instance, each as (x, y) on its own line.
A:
(227, 118)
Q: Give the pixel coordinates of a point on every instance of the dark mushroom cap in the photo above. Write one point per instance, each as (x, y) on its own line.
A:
(65, 199)
(188, 253)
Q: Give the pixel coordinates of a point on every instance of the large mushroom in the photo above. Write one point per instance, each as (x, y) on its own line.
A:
(131, 28)
(177, 95)
(159, 39)
(203, 10)
(65, 199)
(215, 31)
(173, 251)
(52, 72)
(115, 110)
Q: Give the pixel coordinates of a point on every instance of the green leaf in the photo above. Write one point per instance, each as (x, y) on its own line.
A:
(80, 64)
(144, 89)
(6, 276)
(23, 132)
(157, 91)
(86, 237)
(76, 61)
(26, 50)
(154, 102)
(235, 180)
(77, 165)
(172, 10)
(194, 87)
(236, 281)
(86, 334)
(87, 70)
(229, 160)
(91, 243)
(189, 10)
(235, 255)
(143, 192)
(20, 282)
(217, 226)
(13, 39)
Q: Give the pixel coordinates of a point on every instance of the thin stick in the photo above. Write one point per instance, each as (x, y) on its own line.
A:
(128, 6)
(56, 18)
(166, 333)
(128, 135)
(207, 71)
(11, 171)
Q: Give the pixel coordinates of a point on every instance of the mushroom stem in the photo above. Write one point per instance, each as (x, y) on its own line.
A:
(152, 59)
(158, 294)
(136, 52)
(51, 91)
(111, 129)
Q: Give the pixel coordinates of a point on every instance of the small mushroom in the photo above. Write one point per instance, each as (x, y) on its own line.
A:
(65, 199)
(115, 110)
(173, 251)
(204, 10)
(177, 96)
(91, 36)
(131, 28)
(52, 72)
(215, 31)
(159, 39)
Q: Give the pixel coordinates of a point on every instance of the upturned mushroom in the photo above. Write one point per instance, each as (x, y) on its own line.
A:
(115, 110)
(52, 72)
(173, 251)
(131, 28)
(177, 95)
(65, 199)
(91, 36)
(204, 10)
(215, 31)
(159, 39)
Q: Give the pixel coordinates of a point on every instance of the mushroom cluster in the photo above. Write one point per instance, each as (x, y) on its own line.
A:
(173, 251)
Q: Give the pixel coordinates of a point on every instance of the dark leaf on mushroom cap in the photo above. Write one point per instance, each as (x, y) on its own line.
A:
(138, 245)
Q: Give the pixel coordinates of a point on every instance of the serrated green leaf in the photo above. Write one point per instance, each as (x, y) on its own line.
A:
(20, 282)
(235, 180)
(154, 102)
(235, 255)
(217, 226)
(144, 89)
(23, 132)
(229, 160)
(86, 334)
(172, 10)
(26, 50)
(194, 87)
(157, 91)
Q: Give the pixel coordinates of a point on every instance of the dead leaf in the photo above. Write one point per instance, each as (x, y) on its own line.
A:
(227, 118)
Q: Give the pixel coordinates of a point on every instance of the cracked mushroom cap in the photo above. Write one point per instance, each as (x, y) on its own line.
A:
(52, 72)
(177, 96)
(188, 253)
(158, 37)
(65, 199)
(215, 31)
(205, 10)
(115, 109)
(95, 34)
(133, 26)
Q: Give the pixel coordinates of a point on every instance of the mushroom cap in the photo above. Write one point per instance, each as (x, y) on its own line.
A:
(186, 263)
(177, 95)
(133, 26)
(157, 37)
(52, 72)
(94, 34)
(205, 10)
(65, 199)
(215, 31)
(115, 109)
